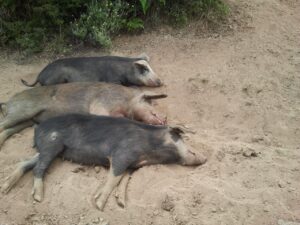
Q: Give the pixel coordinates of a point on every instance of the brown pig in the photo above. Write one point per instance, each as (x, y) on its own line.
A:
(41, 103)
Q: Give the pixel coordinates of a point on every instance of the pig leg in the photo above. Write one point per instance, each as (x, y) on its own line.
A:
(38, 189)
(22, 168)
(16, 117)
(121, 190)
(111, 183)
(10, 131)
(47, 155)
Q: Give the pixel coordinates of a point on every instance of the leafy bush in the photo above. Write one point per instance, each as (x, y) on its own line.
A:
(101, 20)
(33, 25)
(179, 12)
(28, 24)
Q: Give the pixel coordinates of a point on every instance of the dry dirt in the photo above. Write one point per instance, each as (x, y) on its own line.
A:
(240, 92)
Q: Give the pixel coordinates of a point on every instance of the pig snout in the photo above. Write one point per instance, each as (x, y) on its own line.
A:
(149, 116)
(192, 158)
(156, 119)
(154, 82)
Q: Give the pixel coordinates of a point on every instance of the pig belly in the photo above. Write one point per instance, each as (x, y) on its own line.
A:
(85, 156)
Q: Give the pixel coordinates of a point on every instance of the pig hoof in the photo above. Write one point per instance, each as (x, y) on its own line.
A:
(6, 188)
(38, 189)
(100, 205)
(37, 197)
(120, 202)
(11, 181)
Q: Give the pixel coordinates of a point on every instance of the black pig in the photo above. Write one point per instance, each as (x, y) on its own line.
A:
(111, 69)
(118, 143)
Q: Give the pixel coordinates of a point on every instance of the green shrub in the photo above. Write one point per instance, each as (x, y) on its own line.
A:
(101, 20)
(34, 25)
(29, 24)
(180, 12)
(134, 24)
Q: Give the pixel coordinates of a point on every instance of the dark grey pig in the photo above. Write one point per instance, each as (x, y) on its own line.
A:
(98, 98)
(118, 143)
(110, 69)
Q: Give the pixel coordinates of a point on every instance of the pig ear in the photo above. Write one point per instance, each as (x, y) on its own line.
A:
(141, 65)
(176, 130)
(150, 96)
(181, 129)
(144, 56)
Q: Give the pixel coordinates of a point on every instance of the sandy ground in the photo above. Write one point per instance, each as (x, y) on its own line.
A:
(240, 92)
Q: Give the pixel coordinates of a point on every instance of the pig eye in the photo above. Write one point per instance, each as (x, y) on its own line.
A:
(143, 70)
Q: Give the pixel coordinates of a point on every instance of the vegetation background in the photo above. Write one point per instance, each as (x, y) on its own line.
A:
(58, 25)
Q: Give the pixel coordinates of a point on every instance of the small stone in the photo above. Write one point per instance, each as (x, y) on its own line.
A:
(220, 156)
(281, 184)
(167, 204)
(245, 90)
(291, 189)
(78, 169)
(257, 138)
(266, 209)
(204, 81)
(30, 216)
(97, 169)
(259, 90)
(249, 152)
(96, 221)
(197, 198)
(226, 115)
(155, 212)
(214, 210)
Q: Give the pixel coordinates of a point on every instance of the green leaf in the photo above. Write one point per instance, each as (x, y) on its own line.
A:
(145, 6)
(135, 24)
